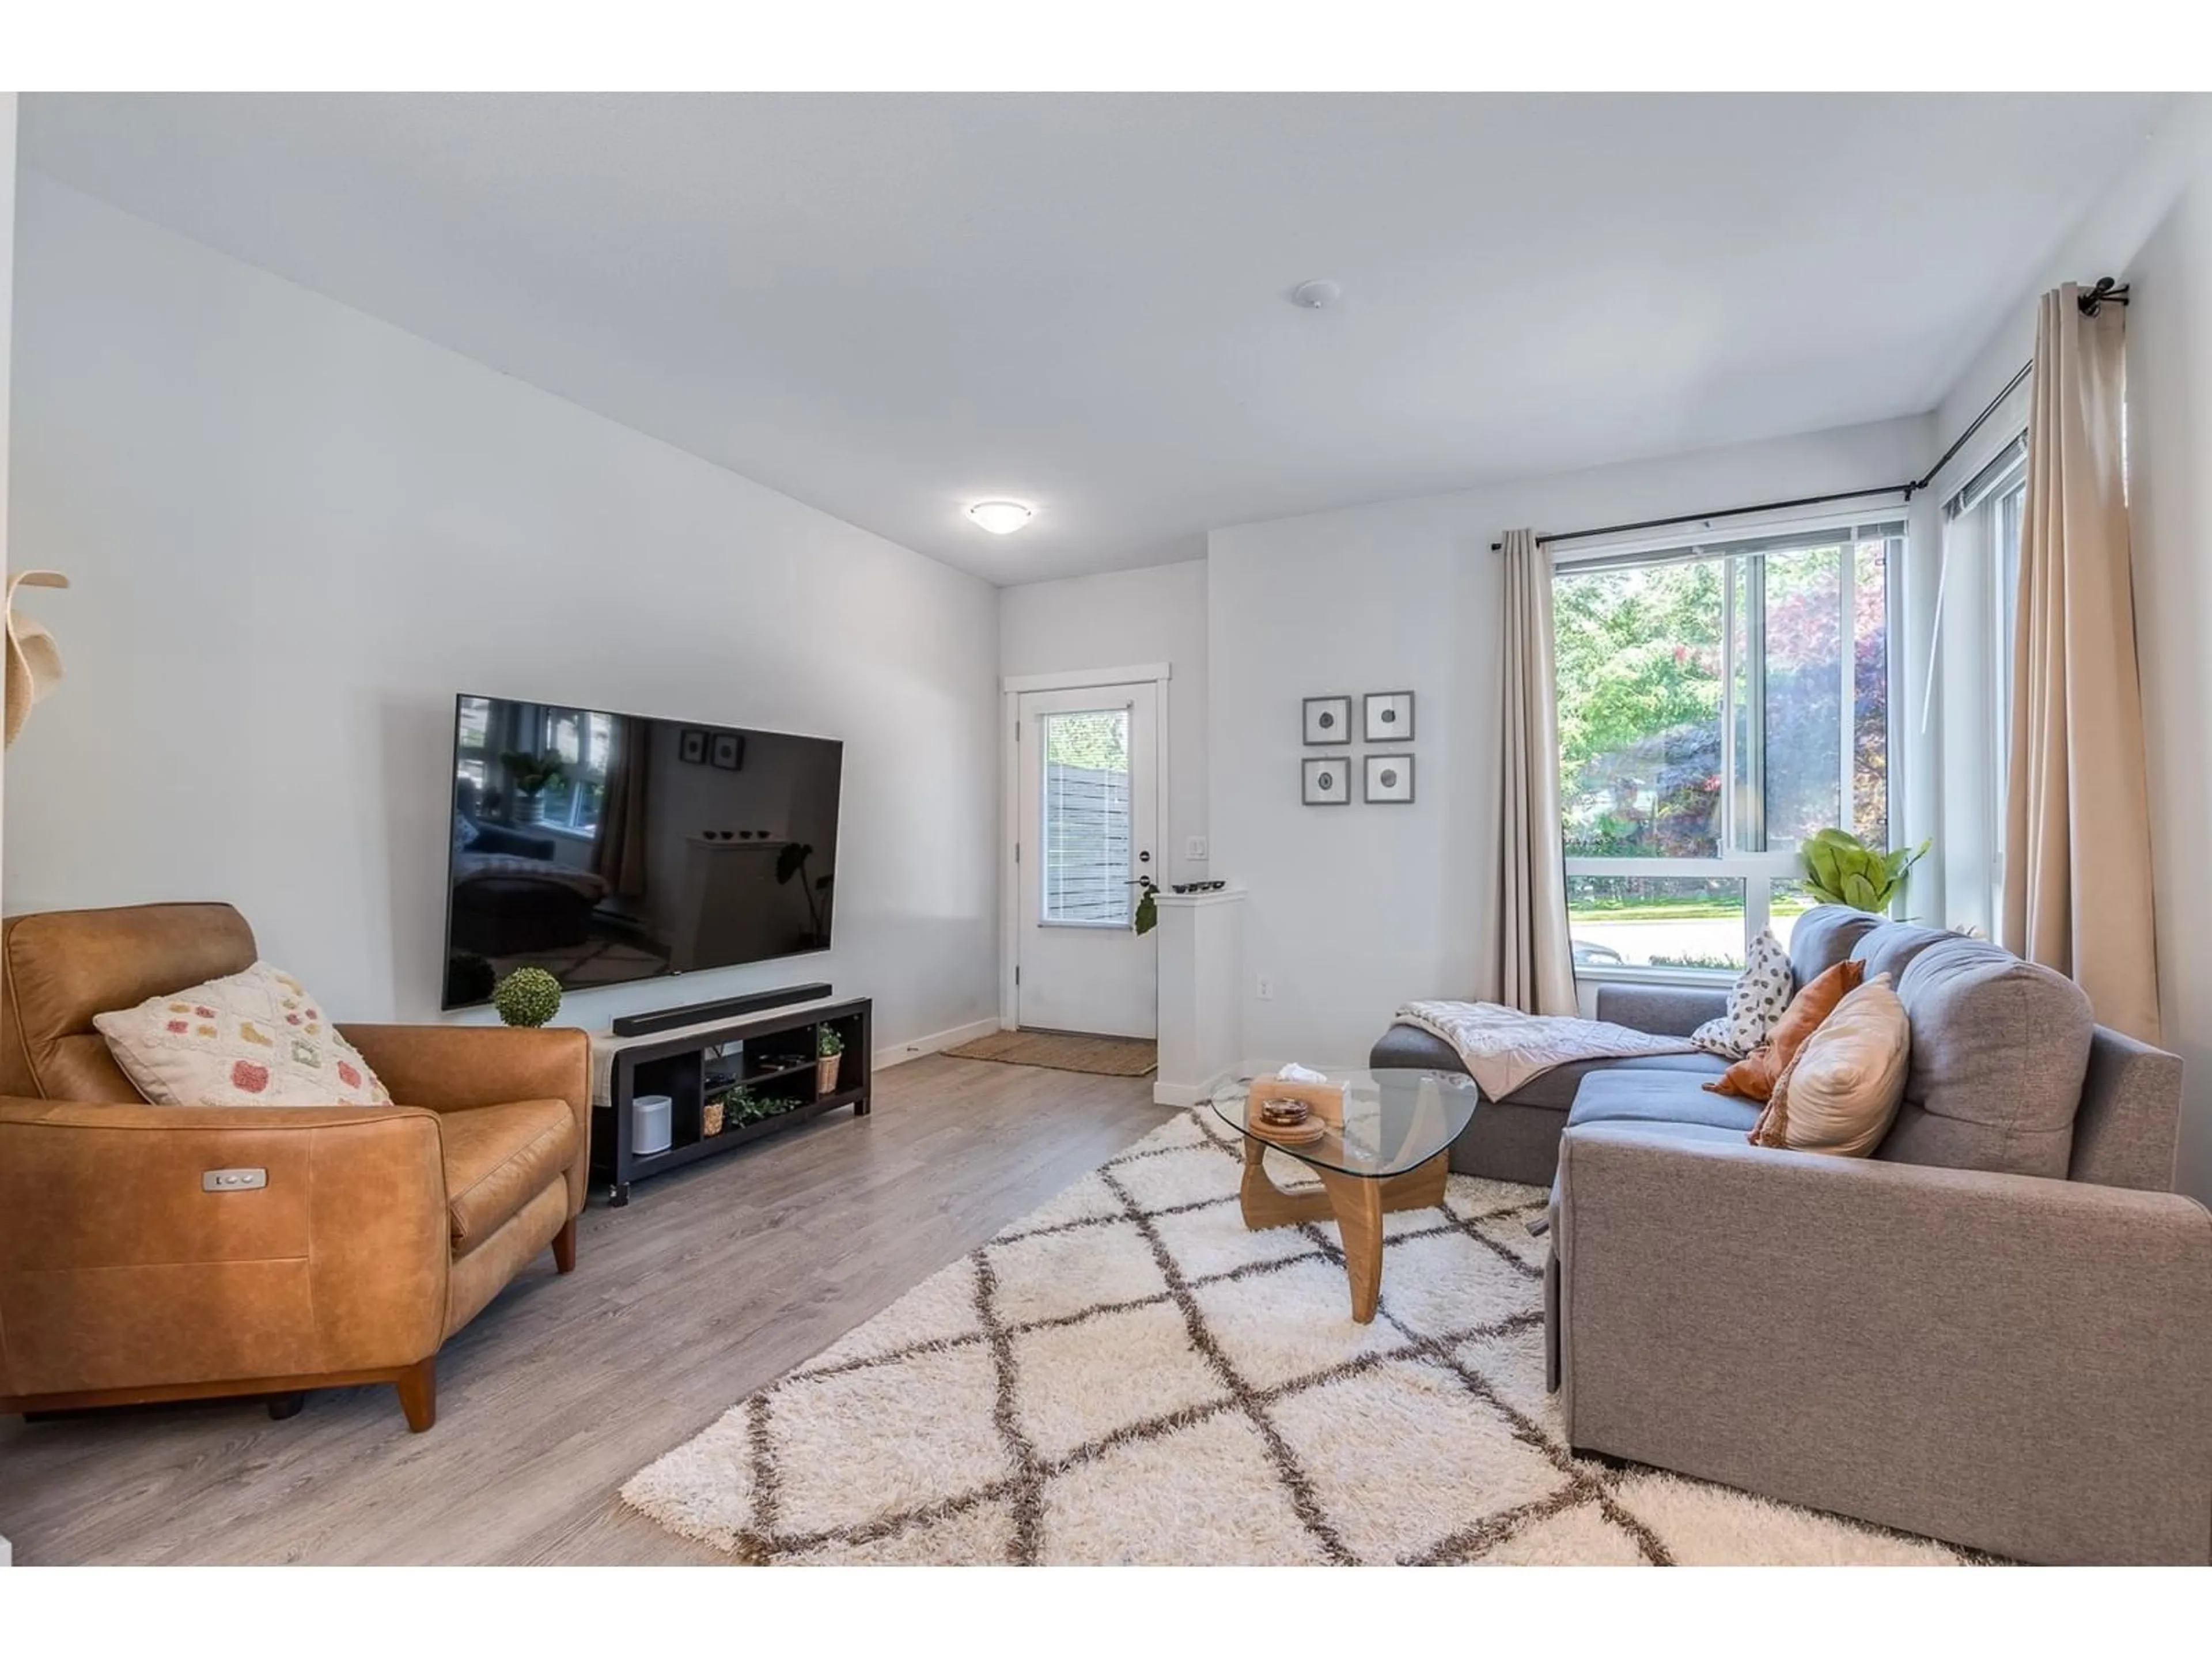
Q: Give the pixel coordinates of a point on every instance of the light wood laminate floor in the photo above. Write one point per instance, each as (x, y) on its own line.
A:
(714, 1282)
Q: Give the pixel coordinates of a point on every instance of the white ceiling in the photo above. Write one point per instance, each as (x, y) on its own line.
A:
(889, 306)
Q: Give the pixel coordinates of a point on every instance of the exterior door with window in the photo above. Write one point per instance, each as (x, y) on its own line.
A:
(1089, 759)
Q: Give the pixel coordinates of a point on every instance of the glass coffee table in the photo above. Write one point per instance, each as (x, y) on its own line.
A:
(1384, 1150)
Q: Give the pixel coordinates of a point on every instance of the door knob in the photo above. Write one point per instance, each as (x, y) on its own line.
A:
(1144, 858)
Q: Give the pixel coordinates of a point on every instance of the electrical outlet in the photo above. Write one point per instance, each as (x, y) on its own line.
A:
(1267, 989)
(1194, 848)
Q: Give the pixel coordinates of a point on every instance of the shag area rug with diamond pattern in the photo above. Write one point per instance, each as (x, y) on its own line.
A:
(1129, 1375)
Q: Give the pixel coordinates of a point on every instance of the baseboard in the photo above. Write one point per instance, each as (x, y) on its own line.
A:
(935, 1040)
(1177, 1094)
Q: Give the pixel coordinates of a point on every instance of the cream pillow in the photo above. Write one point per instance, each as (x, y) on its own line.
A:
(1840, 1091)
(252, 1039)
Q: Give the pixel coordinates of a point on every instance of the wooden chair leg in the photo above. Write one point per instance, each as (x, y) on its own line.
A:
(564, 1248)
(419, 1393)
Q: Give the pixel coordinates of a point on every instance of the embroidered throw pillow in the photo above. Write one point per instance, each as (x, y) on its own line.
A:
(1841, 1093)
(1752, 1077)
(1754, 1006)
(252, 1039)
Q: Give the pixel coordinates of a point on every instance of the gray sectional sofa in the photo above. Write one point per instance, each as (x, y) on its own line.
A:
(1996, 1331)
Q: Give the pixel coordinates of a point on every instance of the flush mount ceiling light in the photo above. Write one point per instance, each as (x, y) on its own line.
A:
(1315, 295)
(999, 518)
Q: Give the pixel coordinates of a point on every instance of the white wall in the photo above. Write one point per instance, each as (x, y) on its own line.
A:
(2154, 231)
(1355, 909)
(297, 531)
(1116, 620)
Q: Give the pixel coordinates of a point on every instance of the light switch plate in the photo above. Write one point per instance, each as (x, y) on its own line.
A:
(1194, 848)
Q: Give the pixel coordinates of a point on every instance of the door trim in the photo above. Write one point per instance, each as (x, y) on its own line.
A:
(1086, 679)
(1009, 797)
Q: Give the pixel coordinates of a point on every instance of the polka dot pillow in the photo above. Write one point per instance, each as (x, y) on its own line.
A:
(252, 1039)
(1754, 1006)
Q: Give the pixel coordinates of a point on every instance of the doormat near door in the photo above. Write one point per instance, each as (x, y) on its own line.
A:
(1066, 1051)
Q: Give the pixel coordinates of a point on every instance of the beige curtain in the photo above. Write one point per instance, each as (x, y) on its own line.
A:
(1536, 960)
(618, 853)
(2077, 817)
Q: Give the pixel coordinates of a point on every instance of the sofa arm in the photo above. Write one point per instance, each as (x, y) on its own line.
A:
(120, 1269)
(1662, 1010)
(2019, 1364)
(453, 1067)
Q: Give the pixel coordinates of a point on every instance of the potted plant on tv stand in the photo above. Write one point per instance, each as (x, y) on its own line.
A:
(827, 1045)
(531, 775)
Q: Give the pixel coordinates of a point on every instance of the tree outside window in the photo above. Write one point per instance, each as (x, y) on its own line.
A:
(1716, 705)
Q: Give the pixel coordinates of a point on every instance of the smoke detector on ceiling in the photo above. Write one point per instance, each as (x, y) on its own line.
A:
(1316, 295)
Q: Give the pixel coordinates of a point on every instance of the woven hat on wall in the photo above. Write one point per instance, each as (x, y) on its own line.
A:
(35, 661)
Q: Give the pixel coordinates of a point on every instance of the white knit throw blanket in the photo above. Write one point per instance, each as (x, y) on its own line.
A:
(1503, 1049)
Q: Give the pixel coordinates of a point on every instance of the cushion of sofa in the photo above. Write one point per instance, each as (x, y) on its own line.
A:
(1752, 1077)
(497, 1158)
(1557, 1088)
(1823, 937)
(1841, 1093)
(1888, 948)
(1653, 1097)
(255, 1038)
(1411, 1049)
(1662, 1010)
(2000, 1050)
(1408, 1048)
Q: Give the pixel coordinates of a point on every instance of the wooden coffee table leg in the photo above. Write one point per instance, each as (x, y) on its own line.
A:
(1358, 1202)
(1420, 1187)
(1358, 1205)
(1265, 1205)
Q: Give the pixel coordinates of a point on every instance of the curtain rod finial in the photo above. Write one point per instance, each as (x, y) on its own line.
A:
(2105, 288)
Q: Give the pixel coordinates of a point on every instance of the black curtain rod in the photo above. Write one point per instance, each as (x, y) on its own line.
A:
(2090, 300)
(1725, 512)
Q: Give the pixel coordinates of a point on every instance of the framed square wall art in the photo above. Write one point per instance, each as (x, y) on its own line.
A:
(1389, 716)
(1327, 720)
(691, 746)
(1326, 781)
(727, 750)
(1389, 779)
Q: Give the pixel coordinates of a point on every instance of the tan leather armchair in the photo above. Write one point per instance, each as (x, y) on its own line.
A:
(380, 1231)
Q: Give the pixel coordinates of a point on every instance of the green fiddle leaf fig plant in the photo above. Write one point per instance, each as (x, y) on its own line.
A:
(1841, 869)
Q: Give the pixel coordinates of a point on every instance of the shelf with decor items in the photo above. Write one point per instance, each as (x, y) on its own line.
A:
(728, 1084)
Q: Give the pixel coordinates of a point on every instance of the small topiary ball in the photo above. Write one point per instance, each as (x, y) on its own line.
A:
(528, 996)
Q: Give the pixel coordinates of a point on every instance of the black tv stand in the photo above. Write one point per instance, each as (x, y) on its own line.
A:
(698, 1013)
(764, 1072)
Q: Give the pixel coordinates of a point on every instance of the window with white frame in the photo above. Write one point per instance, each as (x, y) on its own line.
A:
(1718, 704)
(578, 739)
(1981, 588)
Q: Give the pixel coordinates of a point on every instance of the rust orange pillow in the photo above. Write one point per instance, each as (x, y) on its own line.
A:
(1753, 1076)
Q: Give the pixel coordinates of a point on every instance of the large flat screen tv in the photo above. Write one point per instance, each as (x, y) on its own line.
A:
(607, 848)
